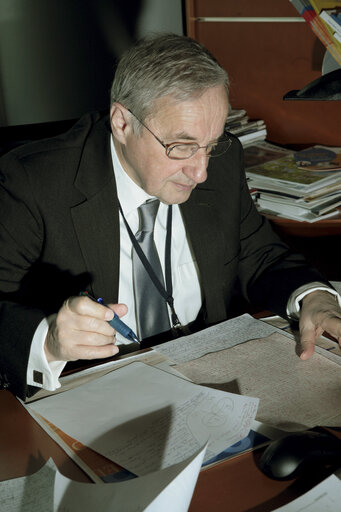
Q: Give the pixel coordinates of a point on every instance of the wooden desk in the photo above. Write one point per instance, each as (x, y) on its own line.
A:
(236, 485)
(318, 241)
(322, 228)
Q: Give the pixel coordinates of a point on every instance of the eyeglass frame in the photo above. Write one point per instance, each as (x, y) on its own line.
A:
(170, 147)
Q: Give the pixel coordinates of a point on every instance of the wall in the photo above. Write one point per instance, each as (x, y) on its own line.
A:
(57, 56)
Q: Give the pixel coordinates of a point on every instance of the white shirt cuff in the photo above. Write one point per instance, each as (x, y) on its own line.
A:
(293, 305)
(40, 372)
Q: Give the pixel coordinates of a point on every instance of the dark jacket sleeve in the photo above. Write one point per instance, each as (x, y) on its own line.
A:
(254, 262)
(21, 236)
(268, 270)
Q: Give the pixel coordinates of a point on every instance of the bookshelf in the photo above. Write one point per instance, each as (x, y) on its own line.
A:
(268, 50)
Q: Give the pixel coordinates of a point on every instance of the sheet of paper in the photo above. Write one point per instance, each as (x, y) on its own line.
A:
(168, 489)
(294, 394)
(32, 493)
(81, 377)
(145, 419)
(323, 345)
(224, 335)
(49, 491)
(325, 497)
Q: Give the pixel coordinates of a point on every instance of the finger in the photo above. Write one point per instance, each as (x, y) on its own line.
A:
(86, 306)
(120, 309)
(332, 325)
(91, 324)
(88, 352)
(93, 351)
(84, 345)
(102, 352)
(307, 341)
(87, 338)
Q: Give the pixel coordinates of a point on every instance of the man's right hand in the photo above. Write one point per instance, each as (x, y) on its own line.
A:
(81, 331)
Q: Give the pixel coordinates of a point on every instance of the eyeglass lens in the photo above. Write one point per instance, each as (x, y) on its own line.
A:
(183, 151)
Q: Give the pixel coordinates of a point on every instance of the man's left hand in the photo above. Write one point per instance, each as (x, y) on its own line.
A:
(320, 312)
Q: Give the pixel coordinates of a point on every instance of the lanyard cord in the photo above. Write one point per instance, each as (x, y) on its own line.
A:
(168, 291)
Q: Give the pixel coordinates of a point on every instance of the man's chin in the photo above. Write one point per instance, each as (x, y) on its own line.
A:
(177, 198)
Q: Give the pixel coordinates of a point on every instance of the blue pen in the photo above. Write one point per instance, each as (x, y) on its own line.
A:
(116, 322)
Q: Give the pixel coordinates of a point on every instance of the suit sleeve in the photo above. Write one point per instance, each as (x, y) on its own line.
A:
(21, 235)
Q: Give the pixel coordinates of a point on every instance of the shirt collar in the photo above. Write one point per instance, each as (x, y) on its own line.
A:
(130, 195)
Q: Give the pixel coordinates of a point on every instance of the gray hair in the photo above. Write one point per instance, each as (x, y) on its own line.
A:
(161, 65)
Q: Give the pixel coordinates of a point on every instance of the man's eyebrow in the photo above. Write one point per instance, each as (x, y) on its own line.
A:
(186, 136)
(181, 136)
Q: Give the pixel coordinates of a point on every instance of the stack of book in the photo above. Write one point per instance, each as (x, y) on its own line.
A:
(316, 14)
(303, 185)
(332, 17)
(248, 131)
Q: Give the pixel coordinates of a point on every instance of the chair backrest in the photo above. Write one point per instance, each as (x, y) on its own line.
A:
(13, 136)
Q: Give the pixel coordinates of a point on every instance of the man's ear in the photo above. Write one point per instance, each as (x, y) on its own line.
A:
(119, 123)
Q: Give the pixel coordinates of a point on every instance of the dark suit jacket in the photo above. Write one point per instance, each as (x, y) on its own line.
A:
(59, 235)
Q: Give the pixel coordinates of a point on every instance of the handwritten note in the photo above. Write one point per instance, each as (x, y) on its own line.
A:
(224, 335)
(294, 394)
(145, 419)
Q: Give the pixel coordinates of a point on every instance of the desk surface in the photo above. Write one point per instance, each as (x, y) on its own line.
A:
(238, 483)
(326, 227)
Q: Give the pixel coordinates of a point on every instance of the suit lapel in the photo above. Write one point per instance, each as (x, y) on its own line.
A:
(96, 219)
(205, 234)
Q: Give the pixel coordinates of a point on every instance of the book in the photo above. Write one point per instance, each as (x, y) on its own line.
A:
(333, 18)
(263, 151)
(299, 209)
(284, 175)
(306, 9)
(247, 130)
(337, 36)
(318, 158)
(235, 113)
(319, 6)
(253, 136)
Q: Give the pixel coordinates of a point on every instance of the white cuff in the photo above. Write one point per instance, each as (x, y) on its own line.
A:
(40, 372)
(293, 305)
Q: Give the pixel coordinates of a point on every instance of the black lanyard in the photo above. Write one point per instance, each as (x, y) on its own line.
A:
(167, 292)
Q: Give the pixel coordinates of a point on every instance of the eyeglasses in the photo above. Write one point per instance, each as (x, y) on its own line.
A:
(184, 150)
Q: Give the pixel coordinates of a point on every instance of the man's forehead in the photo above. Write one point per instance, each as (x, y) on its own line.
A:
(182, 119)
(173, 101)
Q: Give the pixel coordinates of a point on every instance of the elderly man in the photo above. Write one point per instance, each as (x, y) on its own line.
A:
(148, 209)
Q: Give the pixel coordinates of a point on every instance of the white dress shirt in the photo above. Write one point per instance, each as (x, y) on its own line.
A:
(185, 278)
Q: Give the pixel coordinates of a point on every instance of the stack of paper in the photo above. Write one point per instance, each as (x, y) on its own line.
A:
(146, 419)
(303, 185)
(248, 131)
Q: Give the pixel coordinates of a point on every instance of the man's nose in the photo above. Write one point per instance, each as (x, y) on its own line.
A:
(196, 169)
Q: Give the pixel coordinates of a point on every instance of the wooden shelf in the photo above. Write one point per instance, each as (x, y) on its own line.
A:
(265, 57)
(321, 228)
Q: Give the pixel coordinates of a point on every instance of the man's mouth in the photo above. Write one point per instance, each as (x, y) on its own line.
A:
(184, 186)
